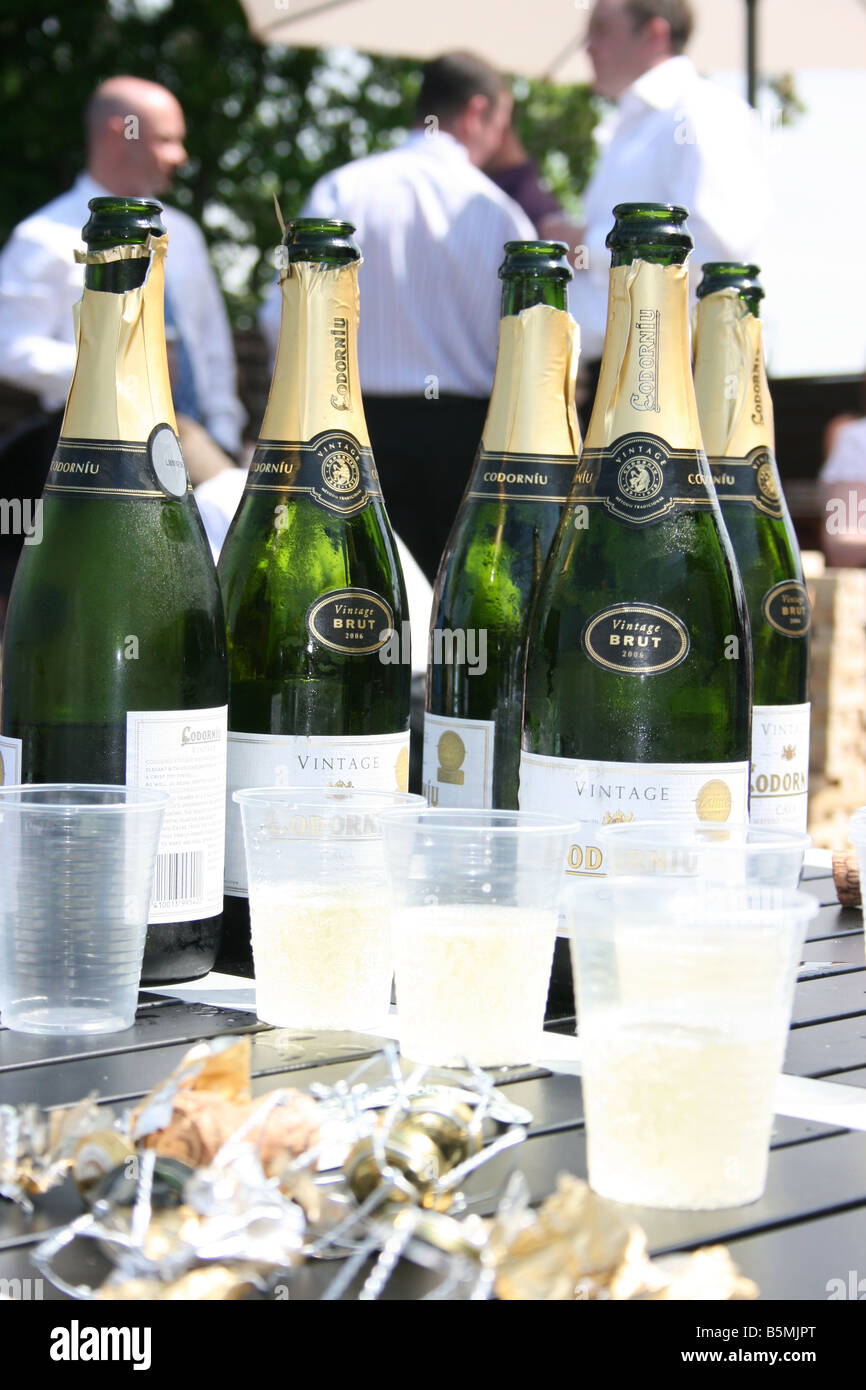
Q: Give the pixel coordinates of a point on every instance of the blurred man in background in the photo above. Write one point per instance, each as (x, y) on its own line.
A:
(135, 142)
(431, 227)
(673, 137)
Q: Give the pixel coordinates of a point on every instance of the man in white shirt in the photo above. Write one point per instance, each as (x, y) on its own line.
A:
(135, 134)
(431, 227)
(674, 137)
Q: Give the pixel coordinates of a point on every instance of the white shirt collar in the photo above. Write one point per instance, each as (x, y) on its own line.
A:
(442, 144)
(660, 86)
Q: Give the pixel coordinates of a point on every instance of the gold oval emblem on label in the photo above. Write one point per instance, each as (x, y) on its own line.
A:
(638, 639)
(713, 801)
(767, 483)
(451, 752)
(350, 621)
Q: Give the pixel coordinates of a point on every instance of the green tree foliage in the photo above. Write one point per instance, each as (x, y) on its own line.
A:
(261, 120)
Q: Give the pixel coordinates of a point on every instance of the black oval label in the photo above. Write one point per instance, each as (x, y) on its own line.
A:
(350, 620)
(786, 608)
(637, 638)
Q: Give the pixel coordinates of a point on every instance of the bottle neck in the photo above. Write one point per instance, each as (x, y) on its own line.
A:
(531, 407)
(524, 291)
(734, 404)
(645, 381)
(120, 388)
(315, 386)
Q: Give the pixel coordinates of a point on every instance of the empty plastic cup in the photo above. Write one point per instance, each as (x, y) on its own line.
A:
(76, 872)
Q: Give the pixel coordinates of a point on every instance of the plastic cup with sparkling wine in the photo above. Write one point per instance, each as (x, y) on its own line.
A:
(725, 853)
(684, 995)
(76, 873)
(474, 914)
(319, 904)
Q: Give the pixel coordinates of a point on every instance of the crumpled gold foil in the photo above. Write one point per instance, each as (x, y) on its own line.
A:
(206, 1284)
(37, 1146)
(206, 1100)
(579, 1247)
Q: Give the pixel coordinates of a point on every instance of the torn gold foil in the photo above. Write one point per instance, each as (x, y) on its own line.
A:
(37, 1146)
(734, 402)
(317, 349)
(579, 1247)
(205, 1284)
(531, 407)
(641, 388)
(121, 339)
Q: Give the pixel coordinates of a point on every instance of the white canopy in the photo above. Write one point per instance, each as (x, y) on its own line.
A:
(538, 38)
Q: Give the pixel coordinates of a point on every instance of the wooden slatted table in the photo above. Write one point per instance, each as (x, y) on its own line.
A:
(808, 1229)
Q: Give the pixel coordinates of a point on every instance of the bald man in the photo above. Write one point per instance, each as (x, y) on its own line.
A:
(135, 141)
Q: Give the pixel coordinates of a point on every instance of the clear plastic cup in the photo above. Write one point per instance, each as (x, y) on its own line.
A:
(76, 872)
(319, 904)
(728, 854)
(684, 1003)
(475, 897)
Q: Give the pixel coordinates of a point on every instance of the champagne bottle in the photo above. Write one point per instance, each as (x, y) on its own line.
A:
(319, 673)
(736, 414)
(500, 538)
(114, 662)
(638, 677)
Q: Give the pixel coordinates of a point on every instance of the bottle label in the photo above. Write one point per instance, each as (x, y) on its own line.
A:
(333, 469)
(640, 480)
(183, 752)
(521, 477)
(458, 761)
(120, 468)
(638, 638)
(593, 794)
(350, 620)
(373, 761)
(780, 766)
(752, 481)
(787, 609)
(10, 761)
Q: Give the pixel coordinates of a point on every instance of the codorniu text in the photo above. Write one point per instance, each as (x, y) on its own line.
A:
(448, 647)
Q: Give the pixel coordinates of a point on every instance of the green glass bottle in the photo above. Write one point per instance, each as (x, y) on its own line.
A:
(319, 673)
(500, 539)
(638, 675)
(736, 414)
(114, 660)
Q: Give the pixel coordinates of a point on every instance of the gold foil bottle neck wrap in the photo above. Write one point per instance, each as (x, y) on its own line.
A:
(120, 388)
(645, 382)
(734, 403)
(531, 407)
(315, 385)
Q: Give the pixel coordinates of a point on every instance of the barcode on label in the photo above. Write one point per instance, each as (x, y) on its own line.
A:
(178, 878)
